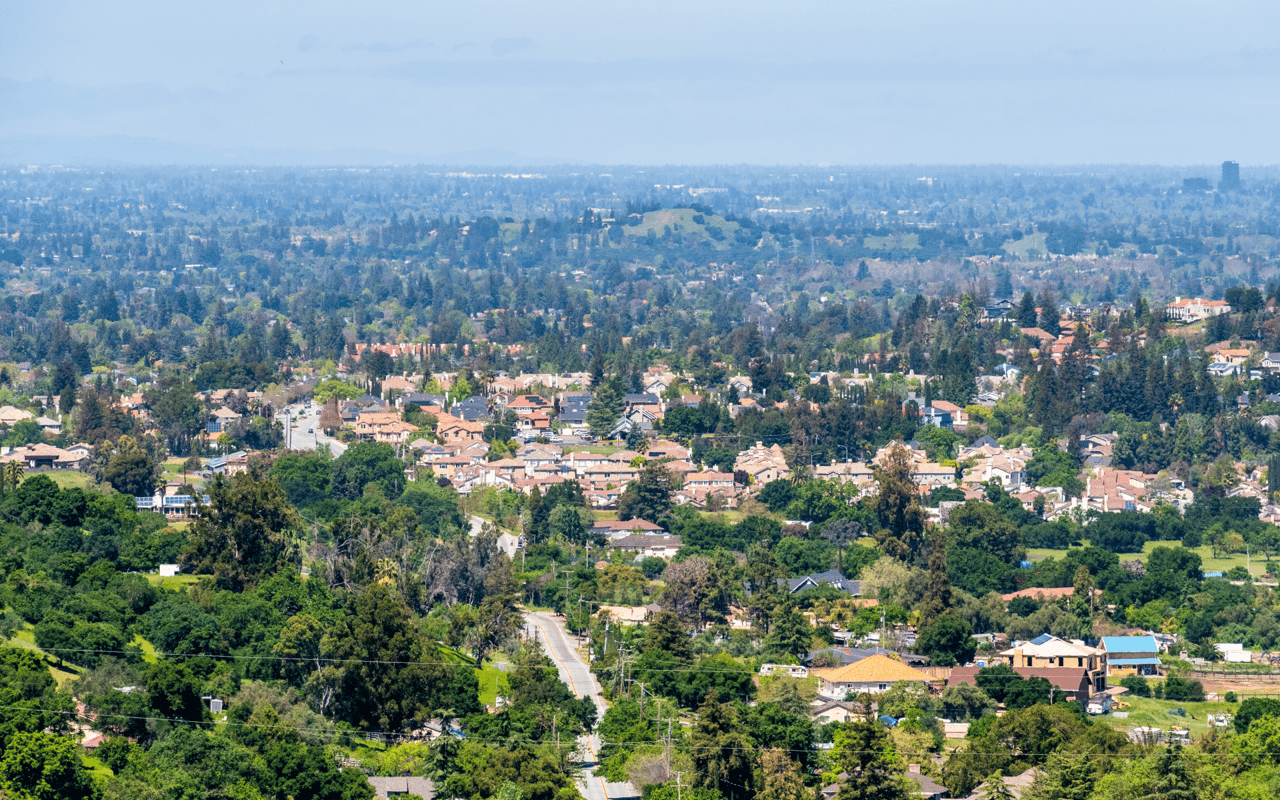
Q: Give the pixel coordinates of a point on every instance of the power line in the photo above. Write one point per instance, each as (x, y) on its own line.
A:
(326, 660)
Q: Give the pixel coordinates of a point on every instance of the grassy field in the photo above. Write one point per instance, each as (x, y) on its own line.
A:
(26, 639)
(68, 479)
(1145, 712)
(1256, 566)
(681, 221)
(175, 583)
(1028, 242)
(493, 682)
(148, 649)
(97, 770)
(895, 241)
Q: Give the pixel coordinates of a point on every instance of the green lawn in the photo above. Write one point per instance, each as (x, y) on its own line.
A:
(1147, 712)
(493, 682)
(1028, 242)
(681, 221)
(894, 241)
(69, 479)
(175, 583)
(97, 770)
(148, 649)
(1257, 566)
(26, 639)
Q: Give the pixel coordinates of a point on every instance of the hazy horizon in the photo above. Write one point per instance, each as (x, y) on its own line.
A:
(569, 83)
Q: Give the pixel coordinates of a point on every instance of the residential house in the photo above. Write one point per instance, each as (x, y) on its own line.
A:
(1130, 655)
(790, 670)
(709, 480)
(831, 578)
(662, 545)
(959, 417)
(229, 464)
(929, 474)
(660, 449)
(1017, 785)
(762, 464)
(932, 415)
(472, 409)
(834, 711)
(372, 426)
(871, 675)
(1072, 667)
(396, 385)
(617, 529)
(1229, 355)
(45, 456)
(843, 656)
(402, 787)
(855, 472)
(1270, 363)
(1195, 309)
(454, 428)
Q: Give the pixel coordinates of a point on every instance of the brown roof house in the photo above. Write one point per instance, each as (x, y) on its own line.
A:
(1072, 667)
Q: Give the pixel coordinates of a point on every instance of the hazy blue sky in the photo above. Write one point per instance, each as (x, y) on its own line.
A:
(693, 82)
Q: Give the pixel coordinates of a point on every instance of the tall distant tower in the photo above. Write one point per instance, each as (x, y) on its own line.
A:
(1230, 177)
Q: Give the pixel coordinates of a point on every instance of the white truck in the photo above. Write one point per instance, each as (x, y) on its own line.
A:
(1099, 704)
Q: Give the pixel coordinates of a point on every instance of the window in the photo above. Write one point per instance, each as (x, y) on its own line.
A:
(884, 687)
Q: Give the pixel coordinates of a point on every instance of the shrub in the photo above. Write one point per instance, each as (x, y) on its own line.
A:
(1137, 685)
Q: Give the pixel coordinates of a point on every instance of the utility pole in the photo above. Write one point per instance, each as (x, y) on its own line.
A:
(678, 774)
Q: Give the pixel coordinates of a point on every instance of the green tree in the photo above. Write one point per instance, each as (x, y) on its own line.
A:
(304, 477)
(606, 407)
(937, 596)
(386, 673)
(1172, 781)
(994, 680)
(666, 634)
(996, 789)
(789, 633)
(1254, 708)
(721, 752)
(436, 507)
(1026, 313)
(780, 777)
(897, 506)
(29, 696)
(130, 469)
(649, 496)
(243, 536)
(980, 526)
(39, 766)
(867, 754)
(365, 463)
(965, 701)
(948, 640)
(571, 523)
(173, 692)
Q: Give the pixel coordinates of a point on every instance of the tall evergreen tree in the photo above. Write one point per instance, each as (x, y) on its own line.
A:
(1026, 314)
(872, 763)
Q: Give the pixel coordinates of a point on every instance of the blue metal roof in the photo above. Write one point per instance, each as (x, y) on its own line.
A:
(1130, 644)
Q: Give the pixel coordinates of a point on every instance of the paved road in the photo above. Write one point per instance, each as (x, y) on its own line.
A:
(577, 676)
(305, 432)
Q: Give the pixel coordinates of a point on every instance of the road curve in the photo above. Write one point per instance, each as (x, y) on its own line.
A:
(577, 676)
